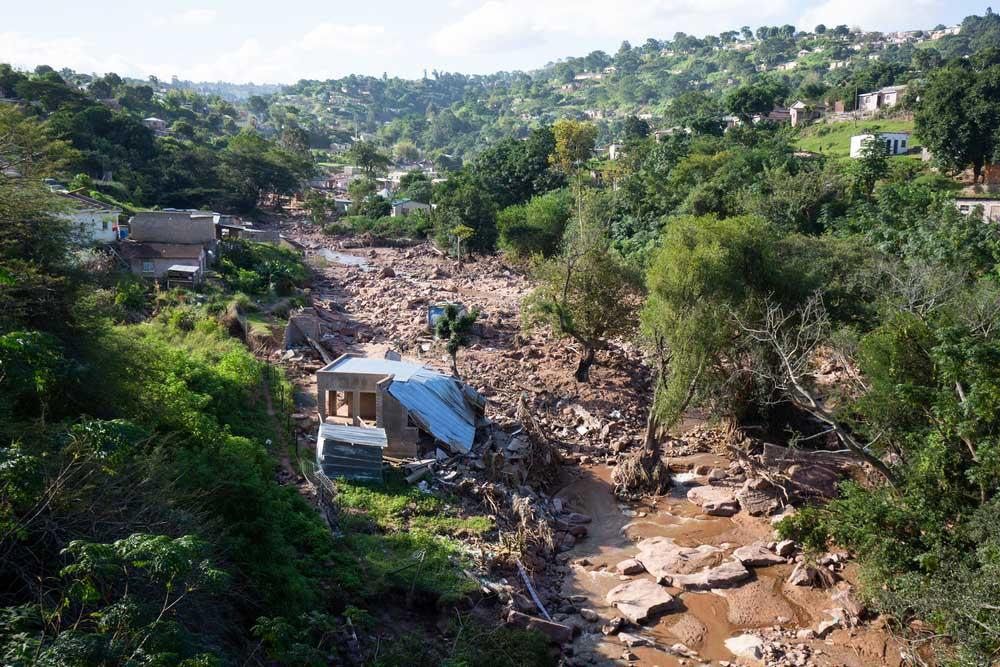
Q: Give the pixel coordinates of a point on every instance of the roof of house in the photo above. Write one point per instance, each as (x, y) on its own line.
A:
(137, 250)
(354, 435)
(441, 405)
(184, 268)
(83, 201)
(173, 226)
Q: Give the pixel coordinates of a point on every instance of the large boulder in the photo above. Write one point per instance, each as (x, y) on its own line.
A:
(728, 573)
(757, 499)
(757, 555)
(640, 600)
(715, 500)
(691, 568)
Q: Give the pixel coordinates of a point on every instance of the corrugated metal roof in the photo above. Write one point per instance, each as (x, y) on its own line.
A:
(355, 435)
(400, 370)
(437, 403)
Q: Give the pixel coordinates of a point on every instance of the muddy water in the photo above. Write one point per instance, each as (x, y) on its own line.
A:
(705, 619)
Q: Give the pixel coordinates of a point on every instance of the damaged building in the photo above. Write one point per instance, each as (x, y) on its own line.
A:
(417, 408)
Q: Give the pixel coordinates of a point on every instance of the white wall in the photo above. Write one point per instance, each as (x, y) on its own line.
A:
(94, 226)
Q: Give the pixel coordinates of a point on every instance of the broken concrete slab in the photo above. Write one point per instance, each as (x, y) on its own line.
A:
(641, 599)
(715, 500)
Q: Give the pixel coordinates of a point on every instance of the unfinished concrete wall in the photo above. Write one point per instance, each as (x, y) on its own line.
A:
(390, 414)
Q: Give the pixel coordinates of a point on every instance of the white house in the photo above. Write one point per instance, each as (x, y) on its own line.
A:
(990, 207)
(896, 143)
(155, 124)
(91, 221)
(883, 98)
(403, 207)
(614, 150)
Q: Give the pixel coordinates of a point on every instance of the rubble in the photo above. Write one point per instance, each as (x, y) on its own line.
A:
(746, 646)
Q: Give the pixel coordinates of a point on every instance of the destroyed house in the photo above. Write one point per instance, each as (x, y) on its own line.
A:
(418, 408)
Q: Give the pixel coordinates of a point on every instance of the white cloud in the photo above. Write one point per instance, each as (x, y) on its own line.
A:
(872, 14)
(328, 49)
(498, 25)
(319, 53)
(186, 19)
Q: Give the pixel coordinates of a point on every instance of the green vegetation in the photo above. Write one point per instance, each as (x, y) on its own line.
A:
(259, 268)
(834, 139)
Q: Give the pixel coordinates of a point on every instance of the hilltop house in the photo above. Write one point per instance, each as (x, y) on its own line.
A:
(803, 112)
(896, 143)
(403, 207)
(883, 98)
(91, 221)
(417, 408)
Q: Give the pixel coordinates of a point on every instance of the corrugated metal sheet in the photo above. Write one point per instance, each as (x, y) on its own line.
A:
(350, 452)
(438, 404)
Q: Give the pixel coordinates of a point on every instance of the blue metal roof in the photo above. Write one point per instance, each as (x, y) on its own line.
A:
(438, 404)
(354, 435)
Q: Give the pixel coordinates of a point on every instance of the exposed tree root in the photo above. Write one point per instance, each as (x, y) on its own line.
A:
(641, 472)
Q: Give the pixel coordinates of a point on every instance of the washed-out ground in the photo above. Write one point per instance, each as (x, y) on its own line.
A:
(377, 299)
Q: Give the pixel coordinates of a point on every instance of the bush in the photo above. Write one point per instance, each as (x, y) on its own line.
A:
(535, 228)
(256, 268)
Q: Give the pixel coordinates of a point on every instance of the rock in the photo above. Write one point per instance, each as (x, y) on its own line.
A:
(632, 640)
(806, 575)
(614, 626)
(387, 272)
(576, 517)
(701, 470)
(690, 568)
(628, 656)
(630, 566)
(805, 633)
(640, 600)
(785, 548)
(823, 628)
(589, 615)
(757, 555)
(556, 632)
(728, 573)
(758, 502)
(715, 500)
(746, 646)
(716, 475)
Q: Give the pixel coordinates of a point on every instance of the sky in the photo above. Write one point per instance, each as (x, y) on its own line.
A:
(281, 42)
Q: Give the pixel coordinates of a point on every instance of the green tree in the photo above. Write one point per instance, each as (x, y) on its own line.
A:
(586, 293)
(958, 116)
(366, 155)
(454, 327)
(871, 165)
(574, 144)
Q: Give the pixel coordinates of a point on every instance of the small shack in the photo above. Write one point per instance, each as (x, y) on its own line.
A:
(417, 407)
(350, 452)
(183, 275)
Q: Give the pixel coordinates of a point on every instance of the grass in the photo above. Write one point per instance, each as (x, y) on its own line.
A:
(405, 541)
(834, 139)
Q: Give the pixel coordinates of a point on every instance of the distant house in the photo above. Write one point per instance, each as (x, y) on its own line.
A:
(896, 143)
(184, 263)
(883, 98)
(176, 227)
(417, 408)
(776, 115)
(990, 207)
(403, 207)
(91, 221)
(615, 150)
(157, 125)
(837, 64)
(802, 112)
(588, 76)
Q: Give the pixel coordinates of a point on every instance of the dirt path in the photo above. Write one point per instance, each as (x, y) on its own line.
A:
(380, 297)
